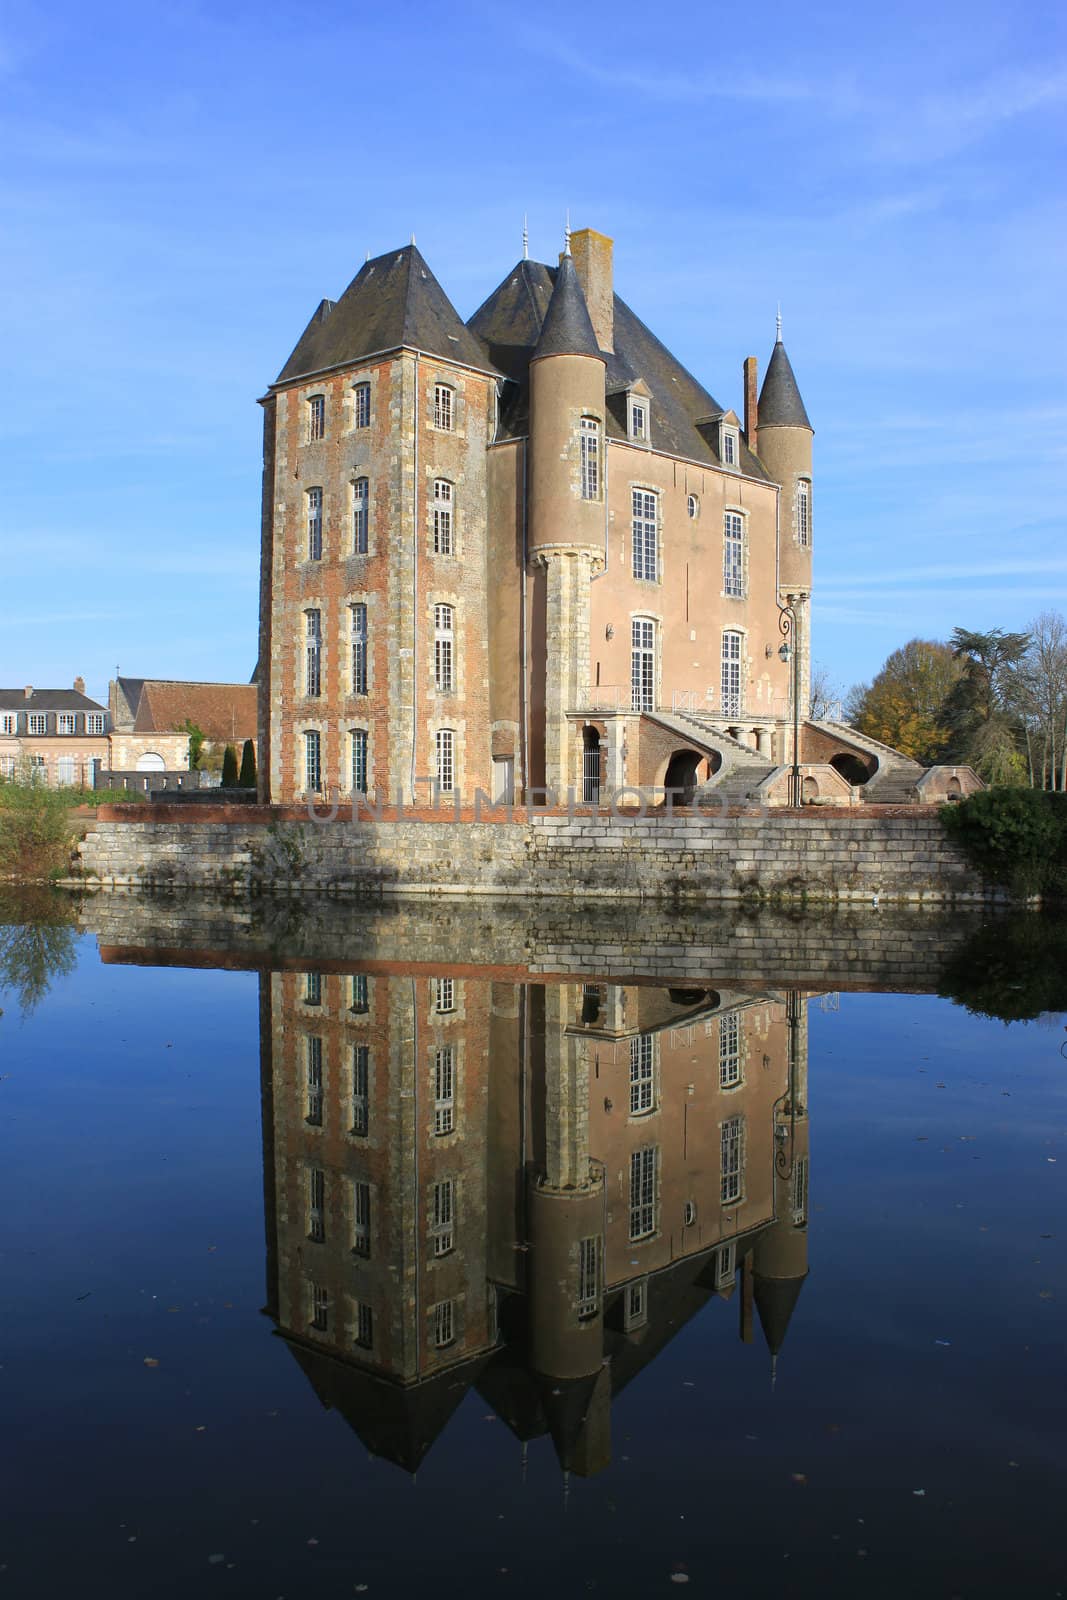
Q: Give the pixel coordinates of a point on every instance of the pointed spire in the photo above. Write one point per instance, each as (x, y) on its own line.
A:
(778, 325)
(525, 238)
(774, 1369)
(780, 405)
(567, 329)
(413, 236)
(567, 235)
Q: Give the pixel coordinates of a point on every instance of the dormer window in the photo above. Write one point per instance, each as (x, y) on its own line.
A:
(729, 446)
(637, 418)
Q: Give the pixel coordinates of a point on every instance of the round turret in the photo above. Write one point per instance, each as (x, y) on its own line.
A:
(785, 436)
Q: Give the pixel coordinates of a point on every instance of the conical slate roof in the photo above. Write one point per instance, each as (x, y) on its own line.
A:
(776, 1300)
(780, 405)
(393, 300)
(567, 330)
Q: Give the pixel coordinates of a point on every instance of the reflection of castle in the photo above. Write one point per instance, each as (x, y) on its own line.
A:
(523, 1188)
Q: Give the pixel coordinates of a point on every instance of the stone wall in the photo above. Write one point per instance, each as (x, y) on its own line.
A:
(857, 855)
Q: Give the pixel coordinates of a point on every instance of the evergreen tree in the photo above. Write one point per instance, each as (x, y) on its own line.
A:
(229, 768)
(247, 780)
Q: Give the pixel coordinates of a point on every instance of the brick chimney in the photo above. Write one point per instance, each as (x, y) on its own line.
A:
(592, 253)
(751, 412)
(79, 686)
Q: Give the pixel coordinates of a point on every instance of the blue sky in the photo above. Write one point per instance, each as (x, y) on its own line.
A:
(181, 183)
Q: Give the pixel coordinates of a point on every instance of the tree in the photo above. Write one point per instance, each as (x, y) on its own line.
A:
(824, 696)
(247, 780)
(906, 705)
(1041, 685)
(196, 742)
(229, 767)
(984, 706)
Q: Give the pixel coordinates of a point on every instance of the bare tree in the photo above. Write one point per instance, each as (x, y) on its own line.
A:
(1041, 695)
(825, 700)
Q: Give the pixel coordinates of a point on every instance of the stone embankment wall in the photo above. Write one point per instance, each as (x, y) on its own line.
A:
(692, 857)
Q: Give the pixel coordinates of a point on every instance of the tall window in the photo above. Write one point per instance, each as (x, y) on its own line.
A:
(360, 516)
(729, 448)
(443, 501)
(588, 1277)
(729, 1050)
(445, 743)
(364, 1326)
(359, 760)
(804, 512)
(313, 761)
(642, 1071)
(643, 665)
(316, 418)
(445, 994)
(444, 1090)
(644, 535)
(313, 988)
(361, 405)
(361, 1219)
(320, 1308)
(733, 554)
(313, 1063)
(442, 407)
(314, 498)
(360, 994)
(638, 419)
(317, 1205)
(443, 650)
(799, 1196)
(65, 770)
(590, 443)
(725, 1266)
(359, 648)
(643, 1192)
(444, 1323)
(731, 674)
(444, 1213)
(360, 1089)
(733, 1158)
(313, 661)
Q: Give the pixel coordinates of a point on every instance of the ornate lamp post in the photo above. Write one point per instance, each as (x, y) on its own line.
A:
(789, 651)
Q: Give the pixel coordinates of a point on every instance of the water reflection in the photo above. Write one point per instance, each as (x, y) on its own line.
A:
(526, 1189)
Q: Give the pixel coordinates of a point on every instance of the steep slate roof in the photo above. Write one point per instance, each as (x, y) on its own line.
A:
(684, 415)
(47, 700)
(567, 330)
(780, 405)
(776, 1300)
(224, 711)
(393, 301)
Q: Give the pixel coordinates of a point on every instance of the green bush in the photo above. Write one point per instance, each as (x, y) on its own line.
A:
(247, 780)
(35, 831)
(1014, 968)
(1015, 837)
(229, 768)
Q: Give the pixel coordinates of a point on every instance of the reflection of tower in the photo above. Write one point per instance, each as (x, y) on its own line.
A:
(780, 1258)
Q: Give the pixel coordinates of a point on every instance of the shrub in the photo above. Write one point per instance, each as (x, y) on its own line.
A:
(247, 780)
(35, 831)
(229, 768)
(1014, 968)
(1015, 837)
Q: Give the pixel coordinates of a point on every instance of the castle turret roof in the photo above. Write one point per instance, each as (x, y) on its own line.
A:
(780, 405)
(567, 329)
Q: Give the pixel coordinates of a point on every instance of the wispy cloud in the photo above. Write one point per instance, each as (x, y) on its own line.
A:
(943, 124)
(654, 84)
(948, 572)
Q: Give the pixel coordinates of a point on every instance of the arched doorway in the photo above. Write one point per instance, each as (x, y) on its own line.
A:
(151, 762)
(809, 791)
(852, 768)
(590, 766)
(680, 779)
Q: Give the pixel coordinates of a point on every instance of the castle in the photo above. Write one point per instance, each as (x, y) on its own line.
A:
(532, 553)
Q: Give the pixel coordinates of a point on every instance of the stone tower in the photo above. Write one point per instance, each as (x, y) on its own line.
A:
(566, 510)
(785, 436)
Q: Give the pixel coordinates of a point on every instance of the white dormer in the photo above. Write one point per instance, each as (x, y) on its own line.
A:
(639, 413)
(730, 441)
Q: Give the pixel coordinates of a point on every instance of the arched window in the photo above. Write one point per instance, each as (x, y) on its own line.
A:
(443, 649)
(313, 761)
(731, 674)
(360, 516)
(313, 653)
(590, 445)
(733, 554)
(804, 511)
(314, 500)
(359, 648)
(443, 502)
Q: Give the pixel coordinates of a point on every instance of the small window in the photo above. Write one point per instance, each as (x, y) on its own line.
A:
(360, 1001)
(443, 651)
(635, 1305)
(36, 723)
(361, 1219)
(361, 1090)
(320, 1308)
(444, 1090)
(444, 994)
(94, 722)
(733, 1159)
(444, 1323)
(733, 556)
(445, 746)
(692, 505)
(360, 517)
(8, 725)
(443, 500)
(590, 445)
(313, 1060)
(444, 1216)
(313, 988)
(359, 760)
(364, 1336)
(359, 648)
(730, 447)
(314, 523)
(589, 1254)
(313, 658)
(637, 417)
(316, 418)
(443, 407)
(725, 1266)
(643, 1193)
(313, 762)
(66, 722)
(804, 512)
(361, 405)
(316, 1205)
(644, 507)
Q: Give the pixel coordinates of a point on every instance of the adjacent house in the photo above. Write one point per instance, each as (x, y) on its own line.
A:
(160, 711)
(58, 736)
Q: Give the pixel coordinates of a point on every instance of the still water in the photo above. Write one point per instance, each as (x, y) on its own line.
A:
(372, 1257)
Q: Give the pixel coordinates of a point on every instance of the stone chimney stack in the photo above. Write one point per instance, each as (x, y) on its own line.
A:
(593, 253)
(79, 686)
(28, 691)
(751, 411)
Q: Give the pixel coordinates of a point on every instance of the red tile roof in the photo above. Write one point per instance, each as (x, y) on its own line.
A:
(224, 712)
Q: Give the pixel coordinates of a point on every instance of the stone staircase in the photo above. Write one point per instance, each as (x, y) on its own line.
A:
(743, 769)
(895, 776)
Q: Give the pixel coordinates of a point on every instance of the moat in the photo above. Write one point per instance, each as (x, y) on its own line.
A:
(524, 1250)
